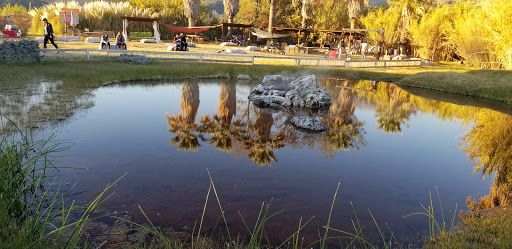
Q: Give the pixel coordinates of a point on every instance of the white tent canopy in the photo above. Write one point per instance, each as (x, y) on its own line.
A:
(267, 35)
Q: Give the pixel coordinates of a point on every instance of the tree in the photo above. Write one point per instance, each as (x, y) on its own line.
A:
(231, 8)
(191, 10)
(271, 15)
(355, 9)
(306, 12)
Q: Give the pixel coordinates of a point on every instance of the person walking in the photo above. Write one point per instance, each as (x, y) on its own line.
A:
(364, 47)
(48, 33)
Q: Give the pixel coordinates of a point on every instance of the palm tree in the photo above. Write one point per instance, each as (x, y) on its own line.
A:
(183, 124)
(306, 12)
(191, 10)
(355, 9)
(271, 15)
(231, 8)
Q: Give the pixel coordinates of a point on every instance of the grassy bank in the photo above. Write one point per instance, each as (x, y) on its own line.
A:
(488, 229)
(80, 74)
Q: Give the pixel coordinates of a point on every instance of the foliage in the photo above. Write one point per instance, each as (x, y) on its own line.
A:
(12, 9)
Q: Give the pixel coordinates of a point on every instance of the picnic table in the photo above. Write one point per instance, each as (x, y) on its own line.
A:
(195, 38)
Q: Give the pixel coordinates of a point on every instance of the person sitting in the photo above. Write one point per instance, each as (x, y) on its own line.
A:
(183, 41)
(105, 40)
(121, 42)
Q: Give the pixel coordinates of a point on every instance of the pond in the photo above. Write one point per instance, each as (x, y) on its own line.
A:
(386, 147)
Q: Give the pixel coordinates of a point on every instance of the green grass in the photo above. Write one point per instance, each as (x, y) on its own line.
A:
(482, 229)
(33, 209)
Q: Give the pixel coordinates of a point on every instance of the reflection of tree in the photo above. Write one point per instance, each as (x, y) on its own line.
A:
(220, 127)
(259, 140)
(183, 124)
(489, 145)
(345, 131)
(393, 108)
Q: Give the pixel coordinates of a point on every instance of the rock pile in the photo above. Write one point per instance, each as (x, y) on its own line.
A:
(135, 59)
(19, 51)
(277, 91)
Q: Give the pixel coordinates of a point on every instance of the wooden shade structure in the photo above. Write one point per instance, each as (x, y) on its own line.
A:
(234, 25)
(295, 30)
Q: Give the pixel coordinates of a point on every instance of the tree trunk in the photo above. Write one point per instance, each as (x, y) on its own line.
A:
(353, 23)
(191, 22)
(271, 15)
(230, 29)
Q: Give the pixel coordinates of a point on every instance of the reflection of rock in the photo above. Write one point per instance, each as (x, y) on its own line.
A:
(308, 123)
(304, 91)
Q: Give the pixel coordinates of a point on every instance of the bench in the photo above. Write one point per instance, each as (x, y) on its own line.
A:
(98, 33)
(140, 35)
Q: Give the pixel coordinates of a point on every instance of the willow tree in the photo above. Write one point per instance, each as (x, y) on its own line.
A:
(231, 8)
(191, 10)
(355, 9)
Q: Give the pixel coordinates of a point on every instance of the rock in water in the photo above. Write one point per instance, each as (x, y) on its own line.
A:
(309, 90)
(277, 82)
(308, 123)
(304, 91)
(274, 102)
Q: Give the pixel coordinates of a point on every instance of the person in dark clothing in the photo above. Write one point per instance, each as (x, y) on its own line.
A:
(105, 40)
(120, 41)
(378, 50)
(48, 33)
(183, 41)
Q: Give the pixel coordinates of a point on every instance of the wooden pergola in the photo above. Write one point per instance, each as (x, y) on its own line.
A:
(234, 25)
(295, 30)
(155, 22)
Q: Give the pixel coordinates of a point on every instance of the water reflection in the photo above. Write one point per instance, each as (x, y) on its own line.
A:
(183, 125)
(489, 145)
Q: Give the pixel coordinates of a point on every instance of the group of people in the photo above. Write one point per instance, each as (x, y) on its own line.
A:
(48, 36)
(378, 50)
(180, 41)
(120, 41)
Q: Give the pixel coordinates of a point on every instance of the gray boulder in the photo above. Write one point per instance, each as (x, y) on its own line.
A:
(274, 102)
(304, 91)
(313, 94)
(277, 82)
(135, 59)
(308, 123)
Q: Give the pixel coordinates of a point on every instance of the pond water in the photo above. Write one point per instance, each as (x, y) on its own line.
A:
(386, 148)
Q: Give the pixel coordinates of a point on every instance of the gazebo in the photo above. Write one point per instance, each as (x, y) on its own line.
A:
(155, 22)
